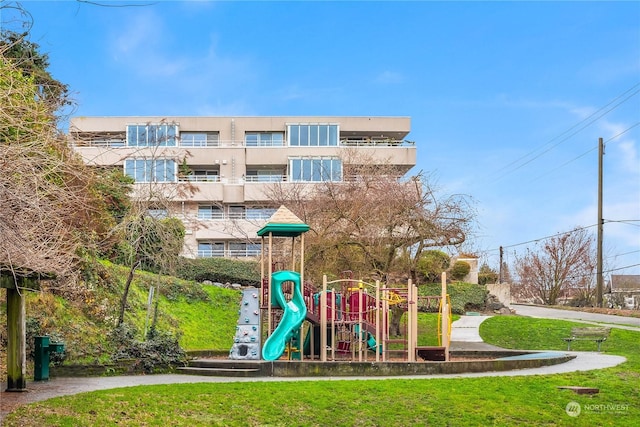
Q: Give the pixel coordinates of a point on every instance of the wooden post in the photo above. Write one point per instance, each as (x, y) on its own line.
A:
(16, 340)
(445, 317)
(411, 338)
(269, 272)
(323, 320)
(359, 323)
(378, 308)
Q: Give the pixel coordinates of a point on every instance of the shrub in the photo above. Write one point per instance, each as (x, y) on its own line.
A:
(463, 296)
(431, 265)
(161, 350)
(459, 270)
(221, 270)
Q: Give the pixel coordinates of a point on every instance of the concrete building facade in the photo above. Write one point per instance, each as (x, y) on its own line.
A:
(217, 171)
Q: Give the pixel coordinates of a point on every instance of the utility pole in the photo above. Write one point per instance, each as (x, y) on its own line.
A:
(600, 226)
(500, 269)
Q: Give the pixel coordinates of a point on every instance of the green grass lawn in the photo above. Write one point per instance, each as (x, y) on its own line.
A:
(499, 401)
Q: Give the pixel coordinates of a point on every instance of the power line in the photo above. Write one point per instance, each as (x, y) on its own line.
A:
(621, 268)
(606, 221)
(622, 254)
(551, 236)
(580, 276)
(598, 114)
(585, 153)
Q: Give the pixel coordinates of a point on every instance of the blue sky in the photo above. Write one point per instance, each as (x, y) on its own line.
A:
(507, 99)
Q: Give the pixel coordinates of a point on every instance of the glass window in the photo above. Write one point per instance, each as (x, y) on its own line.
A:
(210, 212)
(259, 213)
(304, 136)
(264, 139)
(315, 169)
(314, 135)
(144, 170)
(264, 175)
(199, 139)
(323, 135)
(236, 212)
(152, 135)
(210, 249)
(244, 249)
(251, 139)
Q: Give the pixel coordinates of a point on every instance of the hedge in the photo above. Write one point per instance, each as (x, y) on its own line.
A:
(464, 296)
(221, 270)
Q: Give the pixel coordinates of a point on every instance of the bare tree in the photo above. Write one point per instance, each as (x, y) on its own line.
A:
(150, 233)
(46, 209)
(563, 265)
(44, 195)
(373, 222)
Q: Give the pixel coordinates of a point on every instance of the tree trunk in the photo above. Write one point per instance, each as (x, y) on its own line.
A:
(16, 341)
(125, 293)
(394, 323)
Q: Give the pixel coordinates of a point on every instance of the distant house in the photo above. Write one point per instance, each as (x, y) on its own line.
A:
(624, 290)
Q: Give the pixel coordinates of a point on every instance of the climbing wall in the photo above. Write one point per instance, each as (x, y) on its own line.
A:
(246, 343)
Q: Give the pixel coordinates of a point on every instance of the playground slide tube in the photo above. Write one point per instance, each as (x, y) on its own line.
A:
(295, 311)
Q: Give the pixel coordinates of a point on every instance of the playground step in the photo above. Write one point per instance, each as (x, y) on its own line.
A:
(220, 372)
(225, 364)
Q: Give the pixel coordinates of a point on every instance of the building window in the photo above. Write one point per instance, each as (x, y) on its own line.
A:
(152, 135)
(315, 169)
(199, 139)
(236, 212)
(210, 212)
(259, 213)
(313, 135)
(244, 249)
(264, 175)
(264, 139)
(204, 175)
(157, 170)
(210, 249)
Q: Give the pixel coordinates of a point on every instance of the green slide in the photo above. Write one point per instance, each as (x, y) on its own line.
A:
(371, 341)
(295, 311)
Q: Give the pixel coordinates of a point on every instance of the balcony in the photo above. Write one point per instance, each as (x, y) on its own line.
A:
(375, 142)
(228, 253)
(265, 178)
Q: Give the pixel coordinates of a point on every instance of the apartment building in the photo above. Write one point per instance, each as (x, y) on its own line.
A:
(217, 171)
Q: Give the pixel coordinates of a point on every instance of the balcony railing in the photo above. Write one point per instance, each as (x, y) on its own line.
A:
(250, 216)
(373, 142)
(346, 142)
(199, 178)
(228, 253)
(265, 178)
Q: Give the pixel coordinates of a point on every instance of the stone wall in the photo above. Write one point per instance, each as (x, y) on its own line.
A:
(502, 291)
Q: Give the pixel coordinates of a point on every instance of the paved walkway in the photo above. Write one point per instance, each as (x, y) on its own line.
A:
(465, 336)
(613, 321)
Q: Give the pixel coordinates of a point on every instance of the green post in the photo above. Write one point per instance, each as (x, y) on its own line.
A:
(41, 359)
(16, 341)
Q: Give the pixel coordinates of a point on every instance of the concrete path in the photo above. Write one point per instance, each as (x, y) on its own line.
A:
(43, 390)
(621, 322)
(465, 334)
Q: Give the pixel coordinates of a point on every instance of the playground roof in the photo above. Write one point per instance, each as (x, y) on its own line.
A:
(284, 223)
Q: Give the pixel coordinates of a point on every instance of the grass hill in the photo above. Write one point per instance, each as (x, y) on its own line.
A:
(200, 317)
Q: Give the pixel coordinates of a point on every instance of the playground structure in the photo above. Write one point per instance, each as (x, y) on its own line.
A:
(347, 319)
